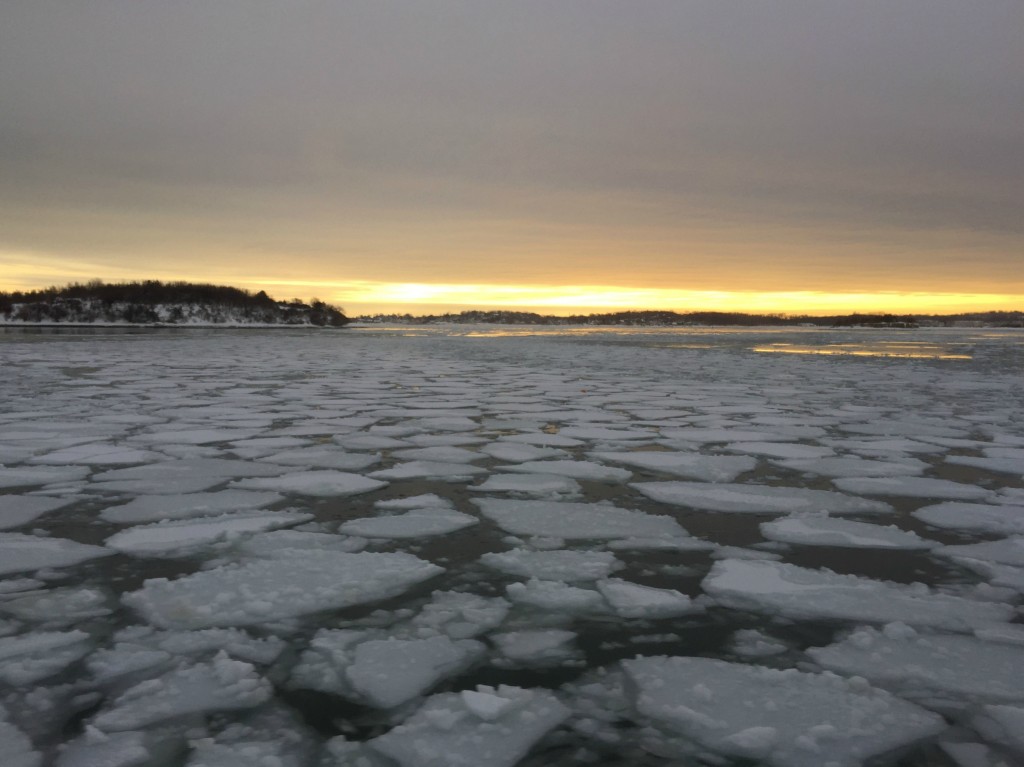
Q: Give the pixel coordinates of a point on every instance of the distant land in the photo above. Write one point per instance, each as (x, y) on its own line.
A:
(699, 319)
(152, 302)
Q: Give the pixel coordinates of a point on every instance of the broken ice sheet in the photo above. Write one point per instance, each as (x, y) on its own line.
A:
(974, 517)
(817, 530)
(529, 484)
(556, 565)
(296, 583)
(576, 520)
(787, 718)
(18, 510)
(21, 553)
(415, 523)
(705, 468)
(757, 499)
(496, 727)
(795, 592)
(153, 508)
(922, 666)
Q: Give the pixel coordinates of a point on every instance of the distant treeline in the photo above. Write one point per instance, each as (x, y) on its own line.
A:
(652, 318)
(155, 302)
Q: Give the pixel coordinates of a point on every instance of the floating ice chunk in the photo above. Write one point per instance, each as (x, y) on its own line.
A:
(220, 685)
(751, 643)
(406, 503)
(962, 668)
(296, 583)
(272, 737)
(323, 457)
(543, 439)
(705, 468)
(852, 466)
(28, 658)
(826, 531)
(390, 672)
(631, 600)
(154, 508)
(781, 449)
(445, 440)
(529, 484)
(16, 746)
(446, 423)
(535, 646)
(1009, 551)
(1003, 725)
(555, 596)
(587, 470)
(171, 538)
(912, 487)
(451, 472)
(412, 524)
(18, 510)
(511, 452)
(19, 552)
(459, 615)
(103, 454)
(604, 434)
(999, 575)
(29, 476)
(1004, 465)
(576, 520)
(282, 543)
(363, 441)
(797, 592)
(978, 517)
(558, 565)
(781, 718)
(324, 483)
(188, 475)
(59, 607)
(322, 665)
(712, 435)
(757, 499)
(100, 749)
(885, 448)
(445, 454)
(634, 543)
(496, 727)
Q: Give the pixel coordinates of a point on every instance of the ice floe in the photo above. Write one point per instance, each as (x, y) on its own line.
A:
(529, 484)
(416, 523)
(632, 600)
(799, 593)
(974, 517)
(557, 565)
(154, 508)
(925, 667)
(493, 726)
(21, 553)
(585, 470)
(297, 583)
(784, 718)
(18, 510)
(820, 530)
(706, 468)
(757, 499)
(576, 520)
(171, 538)
(443, 470)
(322, 483)
(912, 487)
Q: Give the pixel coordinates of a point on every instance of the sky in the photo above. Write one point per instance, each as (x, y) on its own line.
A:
(570, 156)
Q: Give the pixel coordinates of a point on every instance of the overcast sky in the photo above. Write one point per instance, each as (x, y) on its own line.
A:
(804, 146)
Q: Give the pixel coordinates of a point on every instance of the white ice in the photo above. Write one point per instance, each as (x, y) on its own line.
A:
(18, 510)
(576, 520)
(543, 485)
(496, 727)
(323, 483)
(757, 499)
(784, 718)
(443, 470)
(585, 470)
(558, 565)
(416, 523)
(820, 530)
(912, 487)
(974, 517)
(852, 466)
(297, 583)
(174, 537)
(705, 468)
(20, 553)
(960, 669)
(153, 508)
(799, 593)
(632, 600)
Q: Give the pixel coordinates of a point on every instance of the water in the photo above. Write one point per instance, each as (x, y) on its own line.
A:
(917, 400)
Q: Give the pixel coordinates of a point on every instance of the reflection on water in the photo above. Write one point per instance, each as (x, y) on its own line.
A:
(910, 350)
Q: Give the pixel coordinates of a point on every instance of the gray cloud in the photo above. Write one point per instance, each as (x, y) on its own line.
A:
(295, 125)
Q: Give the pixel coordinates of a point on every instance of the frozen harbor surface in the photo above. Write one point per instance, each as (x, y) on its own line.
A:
(402, 547)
